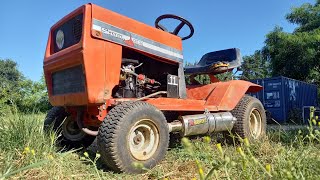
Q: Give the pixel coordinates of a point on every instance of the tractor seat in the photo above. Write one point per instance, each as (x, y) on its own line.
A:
(216, 62)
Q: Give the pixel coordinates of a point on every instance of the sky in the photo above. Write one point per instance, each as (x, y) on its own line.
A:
(25, 24)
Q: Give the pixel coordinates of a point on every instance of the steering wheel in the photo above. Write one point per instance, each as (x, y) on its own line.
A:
(178, 28)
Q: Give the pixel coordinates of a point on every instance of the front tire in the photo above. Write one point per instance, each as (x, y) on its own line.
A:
(67, 130)
(133, 133)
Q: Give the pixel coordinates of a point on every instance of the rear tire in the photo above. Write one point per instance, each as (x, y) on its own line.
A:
(133, 133)
(251, 118)
(67, 130)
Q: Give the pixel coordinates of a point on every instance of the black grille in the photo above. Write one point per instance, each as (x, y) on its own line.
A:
(69, 80)
(72, 31)
(77, 29)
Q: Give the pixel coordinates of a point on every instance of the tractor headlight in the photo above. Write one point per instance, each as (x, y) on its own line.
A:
(60, 39)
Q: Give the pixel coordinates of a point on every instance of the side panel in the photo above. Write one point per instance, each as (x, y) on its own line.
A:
(182, 82)
(136, 27)
(105, 31)
(221, 96)
(95, 58)
(102, 61)
(127, 32)
(224, 95)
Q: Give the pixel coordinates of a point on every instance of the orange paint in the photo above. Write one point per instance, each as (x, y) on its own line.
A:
(101, 62)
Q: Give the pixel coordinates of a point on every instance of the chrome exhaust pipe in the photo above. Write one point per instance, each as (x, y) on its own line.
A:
(175, 126)
(203, 123)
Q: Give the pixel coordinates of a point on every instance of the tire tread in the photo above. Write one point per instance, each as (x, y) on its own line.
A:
(108, 133)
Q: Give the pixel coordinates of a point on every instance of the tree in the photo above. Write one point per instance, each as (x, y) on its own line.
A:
(10, 79)
(18, 92)
(204, 78)
(227, 76)
(307, 17)
(296, 55)
(255, 67)
(35, 97)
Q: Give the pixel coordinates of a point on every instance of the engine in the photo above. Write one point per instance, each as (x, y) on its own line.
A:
(142, 75)
(133, 85)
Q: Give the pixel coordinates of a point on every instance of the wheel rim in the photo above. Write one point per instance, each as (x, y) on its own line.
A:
(143, 139)
(255, 123)
(71, 131)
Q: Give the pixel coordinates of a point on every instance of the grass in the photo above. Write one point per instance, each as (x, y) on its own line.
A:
(26, 153)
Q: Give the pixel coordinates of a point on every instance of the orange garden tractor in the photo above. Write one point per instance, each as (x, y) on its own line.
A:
(124, 81)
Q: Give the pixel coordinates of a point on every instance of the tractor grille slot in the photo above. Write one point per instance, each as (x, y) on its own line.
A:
(69, 80)
(72, 31)
(77, 29)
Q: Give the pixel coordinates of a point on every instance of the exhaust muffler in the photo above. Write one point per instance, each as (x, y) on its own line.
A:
(203, 123)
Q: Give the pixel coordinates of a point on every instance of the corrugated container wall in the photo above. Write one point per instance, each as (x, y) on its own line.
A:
(280, 95)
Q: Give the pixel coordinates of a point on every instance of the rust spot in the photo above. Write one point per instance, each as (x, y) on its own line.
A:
(98, 33)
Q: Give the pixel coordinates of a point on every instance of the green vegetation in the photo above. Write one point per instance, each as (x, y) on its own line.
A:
(282, 155)
(17, 93)
(255, 67)
(292, 54)
(26, 153)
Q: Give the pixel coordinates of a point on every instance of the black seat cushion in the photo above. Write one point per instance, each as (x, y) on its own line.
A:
(216, 62)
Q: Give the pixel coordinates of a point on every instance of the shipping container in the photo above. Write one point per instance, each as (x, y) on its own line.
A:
(282, 96)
